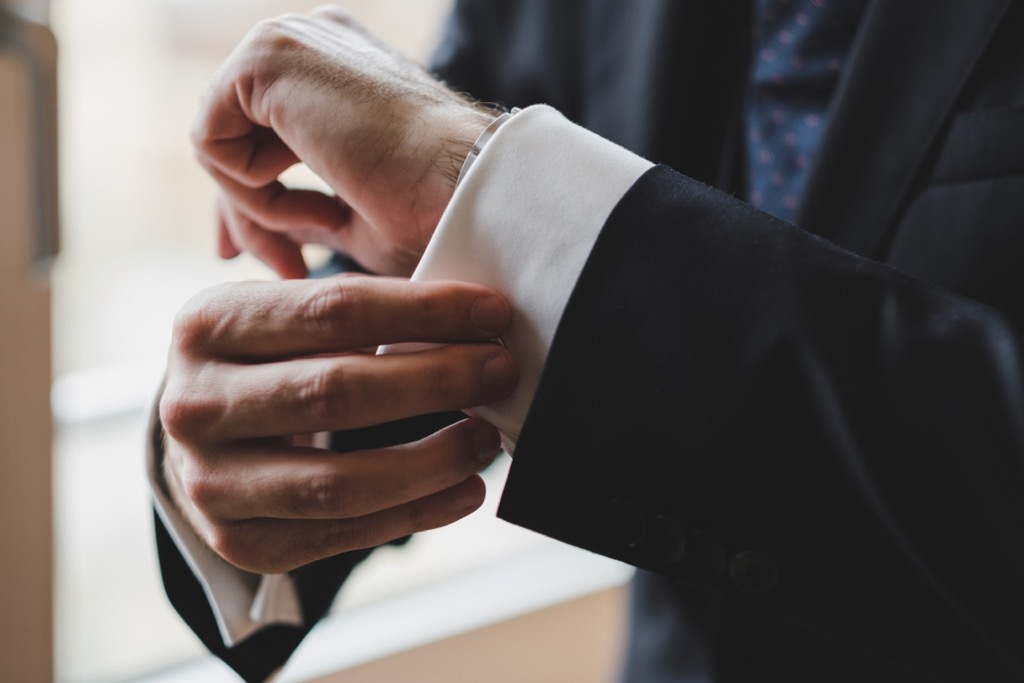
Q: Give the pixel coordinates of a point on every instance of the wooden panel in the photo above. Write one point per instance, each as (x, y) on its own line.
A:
(25, 426)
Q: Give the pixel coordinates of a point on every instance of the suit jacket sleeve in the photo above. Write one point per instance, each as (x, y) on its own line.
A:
(739, 404)
(742, 405)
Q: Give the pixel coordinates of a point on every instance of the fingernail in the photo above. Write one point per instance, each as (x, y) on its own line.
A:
(499, 375)
(490, 314)
(487, 442)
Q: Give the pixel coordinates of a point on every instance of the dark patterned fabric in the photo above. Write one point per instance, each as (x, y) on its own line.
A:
(799, 47)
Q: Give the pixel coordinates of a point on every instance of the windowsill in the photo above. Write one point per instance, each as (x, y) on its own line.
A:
(539, 578)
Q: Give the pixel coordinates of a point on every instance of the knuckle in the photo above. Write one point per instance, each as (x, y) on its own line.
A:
(333, 311)
(188, 330)
(276, 35)
(270, 28)
(199, 488)
(200, 136)
(440, 382)
(344, 535)
(173, 412)
(326, 394)
(327, 493)
(229, 542)
(181, 415)
(196, 320)
(234, 543)
(242, 545)
(333, 12)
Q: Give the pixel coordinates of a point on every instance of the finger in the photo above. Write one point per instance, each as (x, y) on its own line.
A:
(307, 483)
(275, 249)
(252, 160)
(334, 13)
(381, 252)
(339, 18)
(265, 320)
(349, 392)
(274, 546)
(273, 206)
(226, 248)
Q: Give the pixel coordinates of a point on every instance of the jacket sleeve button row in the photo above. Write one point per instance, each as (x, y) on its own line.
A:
(654, 539)
(659, 540)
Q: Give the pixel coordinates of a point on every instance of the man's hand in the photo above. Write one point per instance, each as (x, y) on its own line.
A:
(386, 137)
(254, 366)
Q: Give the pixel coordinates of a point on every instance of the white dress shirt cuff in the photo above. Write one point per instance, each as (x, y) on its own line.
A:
(242, 602)
(523, 222)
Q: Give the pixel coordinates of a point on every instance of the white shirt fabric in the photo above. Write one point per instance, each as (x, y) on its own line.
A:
(523, 222)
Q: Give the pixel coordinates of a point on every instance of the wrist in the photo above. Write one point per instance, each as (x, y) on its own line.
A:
(448, 133)
(462, 129)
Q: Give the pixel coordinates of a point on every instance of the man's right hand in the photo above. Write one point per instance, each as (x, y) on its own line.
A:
(388, 138)
(254, 366)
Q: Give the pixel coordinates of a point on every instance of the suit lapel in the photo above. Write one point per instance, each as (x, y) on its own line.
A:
(908, 65)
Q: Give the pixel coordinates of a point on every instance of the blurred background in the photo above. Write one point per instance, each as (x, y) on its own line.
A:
(137, 240)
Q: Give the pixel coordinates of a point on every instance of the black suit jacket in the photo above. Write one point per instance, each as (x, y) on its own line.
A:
(811, 439)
